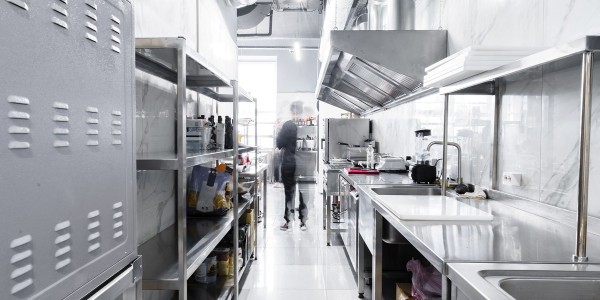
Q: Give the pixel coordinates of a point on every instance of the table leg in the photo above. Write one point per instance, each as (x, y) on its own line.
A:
(360, 266)
(265, 199)
(328, 221)
(324, 210)
(377, 283)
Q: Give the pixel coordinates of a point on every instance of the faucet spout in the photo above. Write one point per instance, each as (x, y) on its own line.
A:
(459, 180)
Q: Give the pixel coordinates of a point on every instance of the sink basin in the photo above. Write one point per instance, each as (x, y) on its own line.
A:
(552, 288)
(526, 280)
(408, 190)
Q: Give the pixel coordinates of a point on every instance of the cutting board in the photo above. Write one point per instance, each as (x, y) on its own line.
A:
(432, 208)
(361, 171)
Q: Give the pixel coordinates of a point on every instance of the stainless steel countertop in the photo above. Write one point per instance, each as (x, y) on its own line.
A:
(513, 236)
(381, 179)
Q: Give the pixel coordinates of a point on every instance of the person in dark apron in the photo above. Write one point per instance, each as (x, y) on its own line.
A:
(286, 141)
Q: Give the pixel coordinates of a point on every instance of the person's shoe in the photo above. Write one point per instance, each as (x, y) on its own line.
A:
(303, 226)
(284, 227)
(278, 185)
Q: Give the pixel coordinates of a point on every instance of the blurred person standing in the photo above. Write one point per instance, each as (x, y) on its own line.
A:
(286, 141)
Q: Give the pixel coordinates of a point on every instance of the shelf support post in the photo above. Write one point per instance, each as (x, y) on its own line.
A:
(234, 192)
(584, 155)
(496, 134)
(445, 146)
(181, 172)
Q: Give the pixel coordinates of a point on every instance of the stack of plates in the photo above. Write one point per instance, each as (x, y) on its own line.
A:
(471, 61)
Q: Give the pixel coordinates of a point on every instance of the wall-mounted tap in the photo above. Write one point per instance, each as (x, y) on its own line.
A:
(459, 180)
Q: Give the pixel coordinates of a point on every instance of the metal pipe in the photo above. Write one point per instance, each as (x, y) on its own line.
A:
(181, 171)
(256, 203)
(234, 190)
(496, 134)
(584, 155)
(261, 34)
(459, 179)
(444, 181)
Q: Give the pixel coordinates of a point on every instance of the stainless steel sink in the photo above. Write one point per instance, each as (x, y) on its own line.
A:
(552, 288)
(408, 190)
(527, 281)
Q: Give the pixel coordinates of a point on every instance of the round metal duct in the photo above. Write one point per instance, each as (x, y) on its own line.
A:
(250, 16)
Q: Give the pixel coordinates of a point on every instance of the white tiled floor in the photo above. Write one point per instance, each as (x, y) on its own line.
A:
(297, 264)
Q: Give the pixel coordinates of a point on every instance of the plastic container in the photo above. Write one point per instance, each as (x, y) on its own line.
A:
(423, 138)
(198, 135)
(207, 272)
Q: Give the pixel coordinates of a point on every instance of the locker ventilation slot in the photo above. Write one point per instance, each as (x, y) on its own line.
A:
(91, 15)
(18, 130)
(18, 100)
(118, 220)
(91, 109)
(91, 4)
(61, 131)
(115, 19)
(63, 251)
(60, 105)
(13, 114)
(93, 143)
(94, 231)
(18, 145)
(60, 22)
(22, 264)
(92, 132)
(61, 118)
(91, 37)
(59, 9)
(19, 4)
(60, 144)
(91, 26)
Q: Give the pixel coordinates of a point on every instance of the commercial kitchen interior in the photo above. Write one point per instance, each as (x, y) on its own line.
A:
(482, 116)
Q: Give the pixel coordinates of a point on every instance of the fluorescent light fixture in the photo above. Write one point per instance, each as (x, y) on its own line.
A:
(297, 53)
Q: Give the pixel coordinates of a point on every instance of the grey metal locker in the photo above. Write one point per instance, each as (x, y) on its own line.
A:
(67, 195)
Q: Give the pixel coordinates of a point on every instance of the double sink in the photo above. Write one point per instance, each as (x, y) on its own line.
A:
(506, 280)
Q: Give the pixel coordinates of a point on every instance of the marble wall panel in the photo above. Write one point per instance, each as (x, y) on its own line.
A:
(519, 148)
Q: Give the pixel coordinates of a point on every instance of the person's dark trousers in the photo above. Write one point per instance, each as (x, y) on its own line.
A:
(288, 173)
(276, 166)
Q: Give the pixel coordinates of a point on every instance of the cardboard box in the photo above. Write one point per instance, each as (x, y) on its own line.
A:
(404, 291)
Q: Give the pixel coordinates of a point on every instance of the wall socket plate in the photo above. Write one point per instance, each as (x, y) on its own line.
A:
(512, 178)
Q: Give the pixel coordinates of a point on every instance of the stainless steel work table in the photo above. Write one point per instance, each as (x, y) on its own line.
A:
(253, 172)
(513, 236)
(357, 179)
(379, 179)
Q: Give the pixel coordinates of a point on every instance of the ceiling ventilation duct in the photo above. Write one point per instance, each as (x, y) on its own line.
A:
(368, 69)
(240, 3)
(250, 16)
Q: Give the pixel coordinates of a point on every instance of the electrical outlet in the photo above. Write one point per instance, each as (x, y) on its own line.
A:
(512, 178)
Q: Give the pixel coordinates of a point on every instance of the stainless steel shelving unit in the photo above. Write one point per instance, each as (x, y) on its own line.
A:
(175, 253)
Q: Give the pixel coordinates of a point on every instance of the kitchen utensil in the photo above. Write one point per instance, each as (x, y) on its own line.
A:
(391, 164)
(361, 171)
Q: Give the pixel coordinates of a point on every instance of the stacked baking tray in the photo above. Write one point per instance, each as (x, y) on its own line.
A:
(471, 61)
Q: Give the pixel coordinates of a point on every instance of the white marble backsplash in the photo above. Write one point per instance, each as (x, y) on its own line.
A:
(539, 116)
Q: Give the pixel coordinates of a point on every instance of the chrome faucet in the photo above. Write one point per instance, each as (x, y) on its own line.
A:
(459, 180)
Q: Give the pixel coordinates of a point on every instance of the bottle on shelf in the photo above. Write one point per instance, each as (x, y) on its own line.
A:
(228, 133)
(220, 133)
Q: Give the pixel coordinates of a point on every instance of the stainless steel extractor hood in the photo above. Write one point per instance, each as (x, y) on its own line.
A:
(369, 69)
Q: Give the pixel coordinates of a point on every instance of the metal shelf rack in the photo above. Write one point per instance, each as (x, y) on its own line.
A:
(193, 239)
(486, 83)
